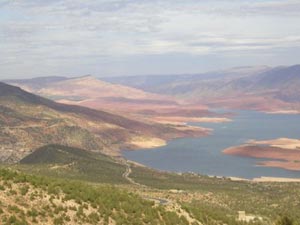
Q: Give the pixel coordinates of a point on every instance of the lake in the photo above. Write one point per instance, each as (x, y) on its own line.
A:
(204, 155)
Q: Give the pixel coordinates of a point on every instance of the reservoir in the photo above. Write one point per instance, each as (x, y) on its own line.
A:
(204, 155)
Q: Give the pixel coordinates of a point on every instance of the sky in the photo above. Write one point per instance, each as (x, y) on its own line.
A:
(137, 37)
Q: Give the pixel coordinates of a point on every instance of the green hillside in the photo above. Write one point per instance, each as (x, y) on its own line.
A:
(29, 199)
(216, 201)
(79, 175)
(68, 162)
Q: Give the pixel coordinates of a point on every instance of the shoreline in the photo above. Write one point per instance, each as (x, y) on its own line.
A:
(184, 120)
(281, 153)
(146, 142)
(284, 112)
(264, 179)
(285, 143)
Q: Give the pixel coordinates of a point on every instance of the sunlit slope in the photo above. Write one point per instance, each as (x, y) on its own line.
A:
(29, 121)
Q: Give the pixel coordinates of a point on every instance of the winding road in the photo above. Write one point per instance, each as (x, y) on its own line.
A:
(170, 205)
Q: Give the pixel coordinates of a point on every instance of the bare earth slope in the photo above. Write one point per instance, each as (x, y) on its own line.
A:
(28, 121)
(93, 93)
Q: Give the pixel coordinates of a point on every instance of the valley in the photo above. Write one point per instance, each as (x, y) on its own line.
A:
(88, 91)
(130, 112)
(215, 155)
(95, 136)
(29, 122)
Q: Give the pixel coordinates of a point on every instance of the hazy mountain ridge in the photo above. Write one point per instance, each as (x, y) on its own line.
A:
(91, 92)
(159, 83)
(247, 87)
(84, 87)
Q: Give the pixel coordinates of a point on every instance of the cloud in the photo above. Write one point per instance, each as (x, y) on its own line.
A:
(287, 8)
(72, 33)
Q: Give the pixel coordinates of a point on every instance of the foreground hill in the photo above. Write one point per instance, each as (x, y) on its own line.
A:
(29, 122)
(29, 199)
(74, 163)
(259, 88)
(55, 193)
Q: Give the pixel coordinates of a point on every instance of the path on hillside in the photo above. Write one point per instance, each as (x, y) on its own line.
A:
(170, 205)
(126, 174)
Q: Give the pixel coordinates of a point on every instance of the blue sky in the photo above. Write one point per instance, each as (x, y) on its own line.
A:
(128, 37)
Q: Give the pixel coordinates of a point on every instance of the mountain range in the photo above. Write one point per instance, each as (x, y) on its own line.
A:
(29, 121)
(133, 112)
(64, 149)
(91, 92)
(260, 88)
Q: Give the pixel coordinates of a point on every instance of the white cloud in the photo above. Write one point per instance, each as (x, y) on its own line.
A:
(72, 33)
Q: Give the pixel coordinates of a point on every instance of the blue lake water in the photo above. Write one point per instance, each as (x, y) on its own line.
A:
(204, 155)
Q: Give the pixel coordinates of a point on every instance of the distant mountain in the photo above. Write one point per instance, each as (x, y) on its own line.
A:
(178, 84)
(284, 81)
(261, 88)
(80, 89)
(39, 82)
(29, 121)
(91, 92)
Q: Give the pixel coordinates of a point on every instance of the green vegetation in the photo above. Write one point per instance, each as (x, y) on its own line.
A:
(90, 204)
(74, 163)
(218, 200)
(211, 201)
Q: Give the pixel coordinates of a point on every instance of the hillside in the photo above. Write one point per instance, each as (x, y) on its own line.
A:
(29, 122)
(89, 87)
(258, 88)
(283, 80)
(93, 93)
(29, 199)
(74, 163)
(181, 84)
(186, 198)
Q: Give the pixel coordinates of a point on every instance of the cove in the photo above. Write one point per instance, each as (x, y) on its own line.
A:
(204, 155)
